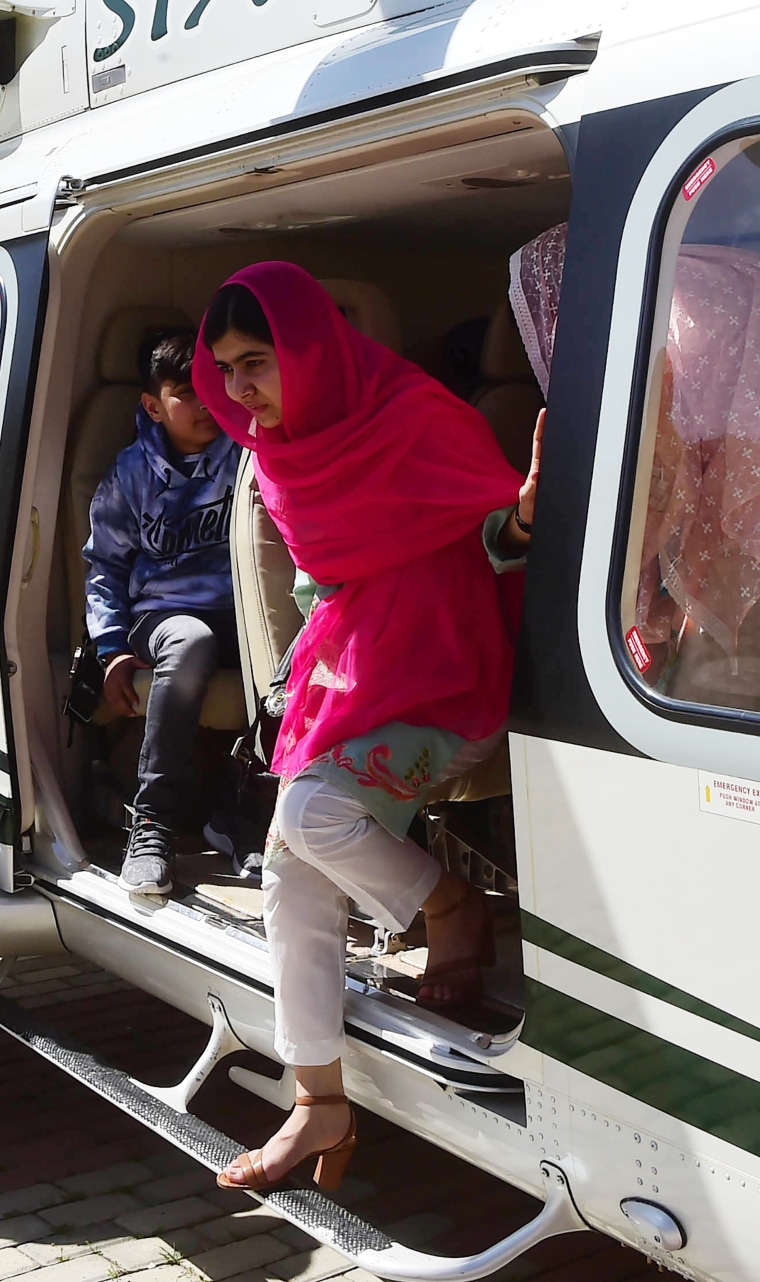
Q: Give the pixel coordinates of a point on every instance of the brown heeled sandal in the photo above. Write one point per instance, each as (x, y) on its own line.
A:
(464, 975)
(331, 1164)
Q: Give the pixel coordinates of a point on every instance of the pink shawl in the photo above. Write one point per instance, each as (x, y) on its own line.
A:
(379, 480)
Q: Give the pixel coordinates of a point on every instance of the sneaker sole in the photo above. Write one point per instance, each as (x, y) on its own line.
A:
(148, 888)
(245, 873)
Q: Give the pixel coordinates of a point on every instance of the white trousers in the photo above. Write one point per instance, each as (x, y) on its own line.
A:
(336, 852)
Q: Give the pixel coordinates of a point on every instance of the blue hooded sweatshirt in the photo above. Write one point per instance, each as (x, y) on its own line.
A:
(160, 539)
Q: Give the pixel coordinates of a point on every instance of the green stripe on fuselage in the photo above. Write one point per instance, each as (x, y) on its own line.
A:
(542, 933)
(679, 1083)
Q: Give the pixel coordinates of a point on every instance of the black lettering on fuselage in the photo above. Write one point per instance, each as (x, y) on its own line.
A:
(159, 26)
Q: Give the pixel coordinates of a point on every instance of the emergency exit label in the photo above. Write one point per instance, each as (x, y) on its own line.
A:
(725, 795)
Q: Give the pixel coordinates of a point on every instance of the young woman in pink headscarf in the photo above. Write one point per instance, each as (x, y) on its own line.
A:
(379, 481)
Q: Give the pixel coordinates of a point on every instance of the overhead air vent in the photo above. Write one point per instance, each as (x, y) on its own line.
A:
(502, 179)
(484, 182)
(285, 222)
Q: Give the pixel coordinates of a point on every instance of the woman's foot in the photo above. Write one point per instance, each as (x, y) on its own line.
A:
(460, 943)
(309, 1130)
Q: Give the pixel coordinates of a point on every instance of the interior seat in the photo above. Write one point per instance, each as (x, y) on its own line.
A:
(510, 397)
(368, 308)
(106, 425)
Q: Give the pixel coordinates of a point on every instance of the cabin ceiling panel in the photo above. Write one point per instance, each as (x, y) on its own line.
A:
(450, 195)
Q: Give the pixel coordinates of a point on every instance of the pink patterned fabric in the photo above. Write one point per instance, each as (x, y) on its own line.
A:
(535, 279)
(702, 537)
(701, 553)
(379, 480)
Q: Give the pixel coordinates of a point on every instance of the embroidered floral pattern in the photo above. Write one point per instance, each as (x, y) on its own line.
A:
(374, 773)
(325, 676)
(274, 846)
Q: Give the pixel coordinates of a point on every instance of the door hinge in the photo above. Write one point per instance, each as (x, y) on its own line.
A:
(23, 880)
(68, 190)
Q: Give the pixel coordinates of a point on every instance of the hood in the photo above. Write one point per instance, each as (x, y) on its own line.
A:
(158, 451)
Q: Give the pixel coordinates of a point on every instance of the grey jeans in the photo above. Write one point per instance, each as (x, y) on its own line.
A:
(184, 651)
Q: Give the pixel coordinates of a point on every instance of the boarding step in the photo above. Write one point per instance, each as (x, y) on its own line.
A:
(363, 1245)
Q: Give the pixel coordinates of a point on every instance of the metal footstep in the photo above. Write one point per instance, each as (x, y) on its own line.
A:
(364, 1246)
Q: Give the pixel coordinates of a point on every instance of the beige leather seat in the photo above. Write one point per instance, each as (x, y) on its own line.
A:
(106, 424)
(268, 616)
(510, 397)
(368, 308)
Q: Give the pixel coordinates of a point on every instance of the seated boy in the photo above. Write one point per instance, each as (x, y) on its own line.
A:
(159, 588)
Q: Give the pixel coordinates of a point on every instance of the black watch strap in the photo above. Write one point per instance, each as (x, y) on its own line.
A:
(525, 526)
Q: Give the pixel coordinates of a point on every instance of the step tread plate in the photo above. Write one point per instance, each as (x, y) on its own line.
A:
(306, 1207)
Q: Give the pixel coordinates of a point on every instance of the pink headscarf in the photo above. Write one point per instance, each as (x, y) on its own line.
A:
(535, 280)
(378, 480)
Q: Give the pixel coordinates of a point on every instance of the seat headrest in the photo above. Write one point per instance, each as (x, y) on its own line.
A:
(503, 357)
(124, 331)
(368, 308)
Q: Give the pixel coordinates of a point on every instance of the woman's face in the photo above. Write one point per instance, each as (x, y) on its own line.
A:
(251, 375)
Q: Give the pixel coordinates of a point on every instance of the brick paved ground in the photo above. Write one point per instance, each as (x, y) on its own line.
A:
(86, 1194)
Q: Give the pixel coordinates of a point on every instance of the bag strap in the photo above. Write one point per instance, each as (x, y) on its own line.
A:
(282, 671)
(273, 703)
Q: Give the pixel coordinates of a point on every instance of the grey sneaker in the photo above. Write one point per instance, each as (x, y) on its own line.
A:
(149, 859)
(249, 865)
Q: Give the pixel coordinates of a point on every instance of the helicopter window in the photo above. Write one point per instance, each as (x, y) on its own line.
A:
(691, 604)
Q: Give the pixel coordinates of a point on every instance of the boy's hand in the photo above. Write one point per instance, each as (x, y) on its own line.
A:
(118, 687)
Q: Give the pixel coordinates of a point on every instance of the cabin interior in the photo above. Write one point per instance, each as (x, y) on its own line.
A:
(412, 237)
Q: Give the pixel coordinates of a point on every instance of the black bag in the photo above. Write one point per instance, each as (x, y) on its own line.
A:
(86, 676)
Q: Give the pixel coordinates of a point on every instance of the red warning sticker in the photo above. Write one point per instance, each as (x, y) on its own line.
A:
(701, 175)
(638, 651)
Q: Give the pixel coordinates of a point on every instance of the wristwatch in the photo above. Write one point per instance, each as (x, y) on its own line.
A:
(525, 526)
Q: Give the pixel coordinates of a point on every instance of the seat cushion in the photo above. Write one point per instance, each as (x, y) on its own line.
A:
(503, 357)
(223, 708)
(368, 308)
(512, 410)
